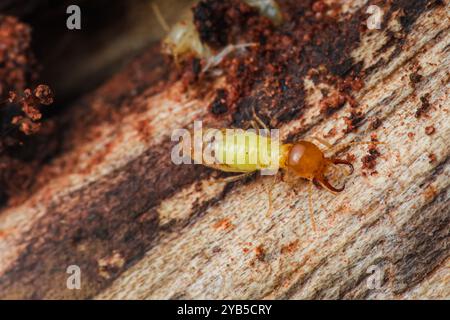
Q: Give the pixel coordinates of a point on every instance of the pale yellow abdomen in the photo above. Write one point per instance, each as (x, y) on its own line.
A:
(244, 151)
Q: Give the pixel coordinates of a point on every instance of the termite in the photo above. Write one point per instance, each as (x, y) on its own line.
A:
(183, 40)
(303, 158)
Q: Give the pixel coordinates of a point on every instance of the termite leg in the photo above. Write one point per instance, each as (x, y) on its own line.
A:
(160, 17)
(310, 205)
(269, 194)
(235, 178)
(310, 202)
(258, 119)
(324, 142)
(254, 125)
(255, 122)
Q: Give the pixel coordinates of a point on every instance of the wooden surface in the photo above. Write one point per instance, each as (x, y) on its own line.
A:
(140, 227)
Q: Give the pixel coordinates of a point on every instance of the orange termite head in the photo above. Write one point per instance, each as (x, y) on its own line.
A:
(309, 162)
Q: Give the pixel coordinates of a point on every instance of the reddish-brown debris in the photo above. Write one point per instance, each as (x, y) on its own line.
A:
(424, 107)
(370, 161)
(430, 130)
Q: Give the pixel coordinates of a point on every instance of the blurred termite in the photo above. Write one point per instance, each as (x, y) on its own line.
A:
(183, 41)
(304, 159)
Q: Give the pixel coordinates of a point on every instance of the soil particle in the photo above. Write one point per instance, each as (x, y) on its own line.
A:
(290, 247)
(370, 161)
(425, 106)
(260, 253)
(22, 150)
(375, 124)
(353, 121)
(415, 78)
(432, 158)
(430, 130)
(219, 105)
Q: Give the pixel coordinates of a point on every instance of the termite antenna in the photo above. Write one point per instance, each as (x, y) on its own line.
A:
(269, 197)
(310, 205)
(160, 17)
(258, 119)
